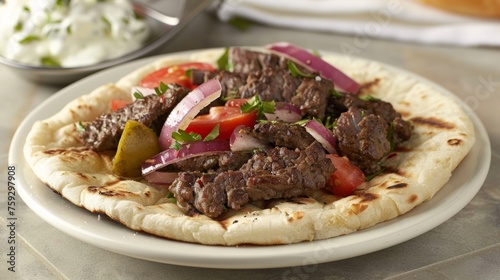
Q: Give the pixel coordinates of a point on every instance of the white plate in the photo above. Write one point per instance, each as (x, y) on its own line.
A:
(104, 233)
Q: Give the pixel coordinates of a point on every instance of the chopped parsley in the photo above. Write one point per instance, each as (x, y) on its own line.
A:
(161, 89)
(107, 24)
(18, 27)
(296, 72)
(223, 61)
(182, 137)
(80, 127)
(370, 98)
(213, 134)
(62, 3)
(257, 105)
(28, 39)
(138, 95)
(50, 61)
(335, 93)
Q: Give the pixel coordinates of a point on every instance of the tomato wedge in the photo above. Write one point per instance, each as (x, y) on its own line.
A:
(117, 104)
(346, 178)
(174, 74)
(228, 118)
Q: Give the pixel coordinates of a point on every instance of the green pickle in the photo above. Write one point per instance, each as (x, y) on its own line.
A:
(137, 144)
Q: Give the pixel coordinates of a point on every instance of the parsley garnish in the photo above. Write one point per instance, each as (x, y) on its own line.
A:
(29, 39)
(370, 98)
(182, 137)
(335, 93)
(223, 61)
(107, 24)
(18, 27)
(80, 127)
(171, 197)
(213, 134)
(138, 95)
(50, 61)
(161, 89)
(296, 72)
(255, 104)
(62, 3)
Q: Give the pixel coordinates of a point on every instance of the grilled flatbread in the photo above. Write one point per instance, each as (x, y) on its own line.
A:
(443, 135)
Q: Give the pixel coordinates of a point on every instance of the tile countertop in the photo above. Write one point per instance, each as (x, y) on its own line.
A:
(465, 247)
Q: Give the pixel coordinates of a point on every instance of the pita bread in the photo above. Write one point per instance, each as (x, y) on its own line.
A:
(443, 135)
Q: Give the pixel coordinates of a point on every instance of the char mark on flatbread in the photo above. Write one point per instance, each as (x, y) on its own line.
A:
(270, 174)
(104, 132)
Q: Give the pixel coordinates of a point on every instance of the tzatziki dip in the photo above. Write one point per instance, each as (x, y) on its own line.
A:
(69, 33)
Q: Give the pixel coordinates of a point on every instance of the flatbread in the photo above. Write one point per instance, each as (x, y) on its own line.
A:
(443, 135)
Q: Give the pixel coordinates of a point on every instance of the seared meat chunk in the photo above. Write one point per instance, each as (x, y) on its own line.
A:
(218, 162)
(231, 82)
(402, 129)
(104, 132)
(283, 134)
(269, 174)
(246, 61)
(363, 139)
(312, 97)
(270, 84)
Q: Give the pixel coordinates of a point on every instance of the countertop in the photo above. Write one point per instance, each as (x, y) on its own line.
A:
(467, 246)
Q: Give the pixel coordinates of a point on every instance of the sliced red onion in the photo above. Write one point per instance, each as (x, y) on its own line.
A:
(242, 140)
(161, 178)
(323, 135)
(190, 150)
(314, 63)
(141, 90)
(285, 112)
(187, 109)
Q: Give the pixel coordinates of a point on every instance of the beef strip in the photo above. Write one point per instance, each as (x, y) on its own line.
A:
(104, 132)
(246, 61)
(270, 84)
(312, 97)
(362, 137)
(272, 173)
(402, 129)
(283, 134)
(214, 163)
(231, 82)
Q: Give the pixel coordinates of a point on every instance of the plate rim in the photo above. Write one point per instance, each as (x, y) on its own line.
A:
(253, 257)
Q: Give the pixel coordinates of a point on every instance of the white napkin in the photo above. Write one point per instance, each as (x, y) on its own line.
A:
(404, 20)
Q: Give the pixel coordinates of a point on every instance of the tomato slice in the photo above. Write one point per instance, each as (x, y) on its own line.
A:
(344, 180)
(228, 118)
(174, 74)
(117, 104)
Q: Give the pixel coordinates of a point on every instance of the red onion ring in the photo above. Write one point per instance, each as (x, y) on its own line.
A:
(242, 140)
(161, 178)
(314, 63)
(189, 150)
(285, 112)
(187, 109)
(323, 135)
